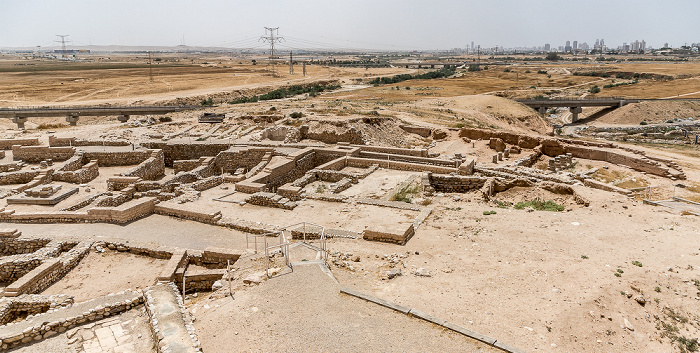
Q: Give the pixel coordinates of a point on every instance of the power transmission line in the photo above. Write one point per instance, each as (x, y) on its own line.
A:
(63, 44)
(272, 40)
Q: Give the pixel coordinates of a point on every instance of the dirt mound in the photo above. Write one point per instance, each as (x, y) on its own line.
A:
(381, 131)
(651, 112)
(525, 194)
(487, 110)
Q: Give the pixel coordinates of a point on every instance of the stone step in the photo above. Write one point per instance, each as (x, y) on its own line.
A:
(169, 321)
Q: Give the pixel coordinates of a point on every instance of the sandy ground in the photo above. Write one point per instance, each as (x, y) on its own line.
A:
(268, 318)
(121, 271)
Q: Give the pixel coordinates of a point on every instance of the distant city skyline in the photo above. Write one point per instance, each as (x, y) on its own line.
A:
(357, 24)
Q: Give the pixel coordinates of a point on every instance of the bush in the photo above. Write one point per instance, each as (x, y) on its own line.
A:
(542, 72)
(207, 102)
(643, 123)
(506, 70)
(594, 89)
(296, 115)
(553, 57)
(473, 67)
(540, 205)
(487, 213)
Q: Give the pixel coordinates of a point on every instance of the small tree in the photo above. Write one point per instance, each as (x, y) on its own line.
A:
(594, 89)
(553, 56)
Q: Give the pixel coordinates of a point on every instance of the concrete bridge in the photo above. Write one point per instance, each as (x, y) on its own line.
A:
(72, 114)
(575, 105)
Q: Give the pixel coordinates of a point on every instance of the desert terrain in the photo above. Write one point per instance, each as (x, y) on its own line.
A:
(496, 227)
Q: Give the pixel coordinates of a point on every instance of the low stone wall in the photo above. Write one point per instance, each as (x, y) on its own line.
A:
(31, 304)
(520, 140)
(48, 272)
(269, 199)
(14, 246)
(10, 167)
(410, 159)
(174, 210)
(207, 183)
(418, 130)
(6, 144)
(172, 329)
(15, 266)
(389, 236)
(34, 154)
(19, 177)
(175, 151)
(413, 167)
(151, 168)
(200, 280)
(117, 158)
(53, 322)
(594, 184)
(186, 165)
(455, 183)
(121, 182)
(637, 163)
(342, 184)
(423, 152)
(124, 213)
(72, 141)
(85, 174)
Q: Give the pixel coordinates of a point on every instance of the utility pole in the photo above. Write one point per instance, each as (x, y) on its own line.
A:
(150, 67)
(272, 39)
(63, 44)
(291, 63)
(303, 67)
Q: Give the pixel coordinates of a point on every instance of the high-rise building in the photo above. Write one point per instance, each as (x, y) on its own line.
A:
(472, 46)
(547, 47)
(567, 47)
(575, 46)
(643, 46)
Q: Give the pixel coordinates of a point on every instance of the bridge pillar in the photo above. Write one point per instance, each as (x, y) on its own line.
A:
(542, 110)
(123, 118)
(574, 113)
(72, 119)
(19, 120)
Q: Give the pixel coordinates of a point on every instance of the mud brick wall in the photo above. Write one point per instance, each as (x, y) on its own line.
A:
(174, 151)
(453, 183)
(6, 144)
(34, 154)
(83, 175)
(19, 177)
(151, 168)
(111, 159)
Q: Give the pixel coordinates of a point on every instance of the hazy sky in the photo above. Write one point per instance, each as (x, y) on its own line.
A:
(377, 24)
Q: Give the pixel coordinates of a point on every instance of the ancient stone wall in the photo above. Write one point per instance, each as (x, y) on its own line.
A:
(389, 236)
(10, 167)
(413, 167)
(73, 141)
(151, 168)
(418, 130)
(34, 154)
(174, 151)
(6, 144)
(19, 177)
(14, 246)
(117, 158)
(455, 183)
(86, 173)
(395, 150)
(247, 158)
(410, 159)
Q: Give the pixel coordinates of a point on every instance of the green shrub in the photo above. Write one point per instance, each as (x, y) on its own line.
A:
(487, 213)
(540, 205)
(594, 89)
